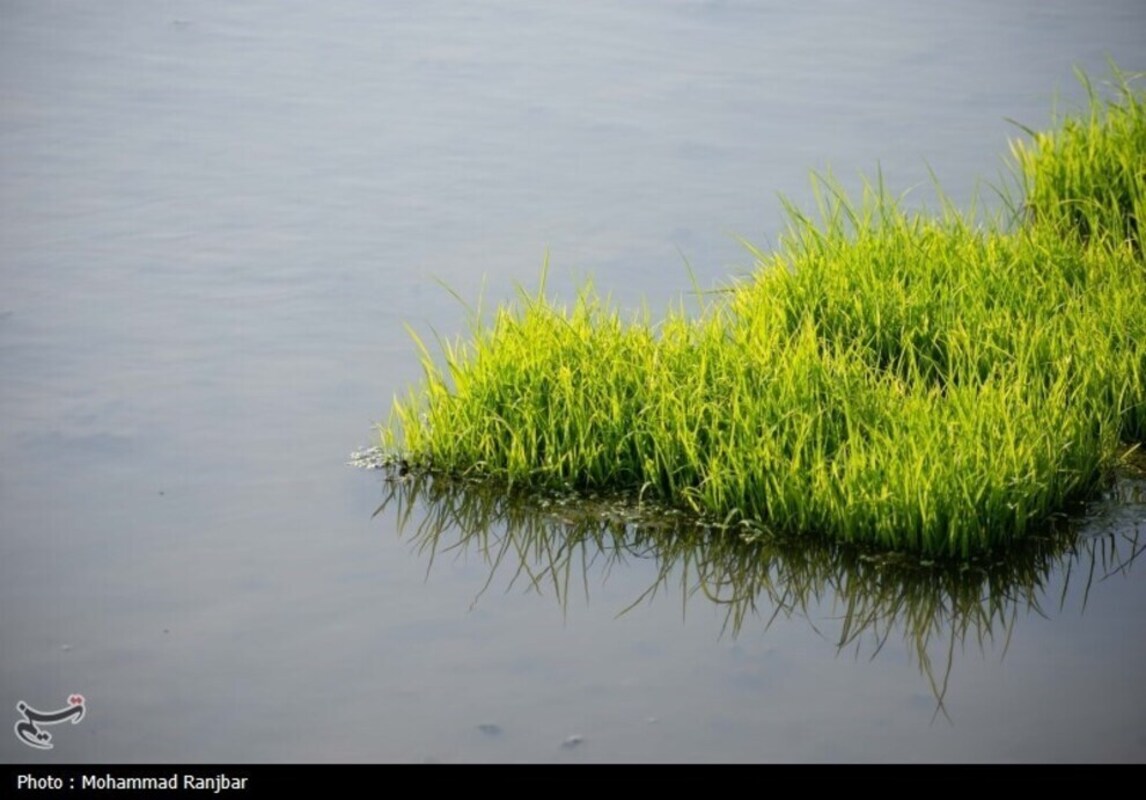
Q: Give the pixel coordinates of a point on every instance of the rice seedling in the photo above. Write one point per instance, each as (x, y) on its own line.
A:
(1086, 177)
(913, 382)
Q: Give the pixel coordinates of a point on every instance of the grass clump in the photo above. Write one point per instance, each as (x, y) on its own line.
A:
(884, 378)
(1087, 177)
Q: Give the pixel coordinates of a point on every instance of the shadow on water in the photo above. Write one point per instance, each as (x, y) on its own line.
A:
(563, 544)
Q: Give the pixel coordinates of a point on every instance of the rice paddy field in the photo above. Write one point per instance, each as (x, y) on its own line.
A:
(940, 382)
(759, 469)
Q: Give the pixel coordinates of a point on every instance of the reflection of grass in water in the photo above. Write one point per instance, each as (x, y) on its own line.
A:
(555, 543)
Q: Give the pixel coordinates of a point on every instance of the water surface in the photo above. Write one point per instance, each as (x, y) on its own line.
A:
(215, 220)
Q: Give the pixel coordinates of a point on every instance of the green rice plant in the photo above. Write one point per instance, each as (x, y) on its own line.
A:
(909, 381)
(1088, 176)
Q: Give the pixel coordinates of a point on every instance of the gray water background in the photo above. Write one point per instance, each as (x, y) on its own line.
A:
(215, 220)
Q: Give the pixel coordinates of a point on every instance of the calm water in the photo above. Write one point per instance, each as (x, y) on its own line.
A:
(215, 219)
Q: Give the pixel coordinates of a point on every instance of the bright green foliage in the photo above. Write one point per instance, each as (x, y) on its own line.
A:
(884, 378)
(1088, 177)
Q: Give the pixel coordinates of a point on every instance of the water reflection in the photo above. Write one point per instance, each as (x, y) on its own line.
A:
(564, 545)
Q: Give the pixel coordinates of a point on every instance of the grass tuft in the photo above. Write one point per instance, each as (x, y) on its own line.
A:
(1087, 177)
(888, 378)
